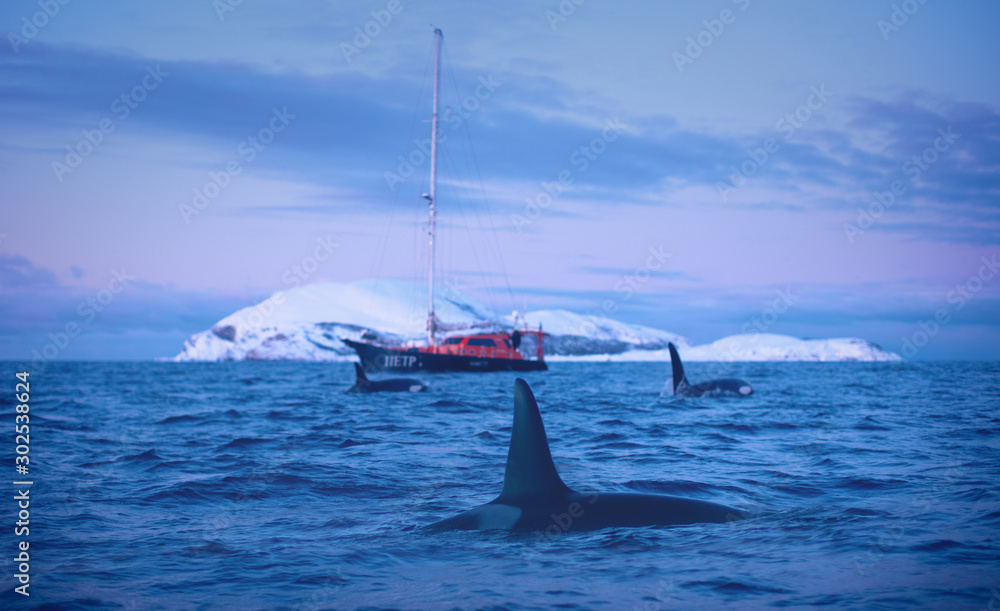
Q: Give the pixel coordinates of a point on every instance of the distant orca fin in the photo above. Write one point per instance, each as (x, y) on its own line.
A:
(360, 374)
(676, 368)
(530, 471)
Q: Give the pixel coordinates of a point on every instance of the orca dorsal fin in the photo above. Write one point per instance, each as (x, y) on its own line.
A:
(359, 373)
(676, 368)
(530, 471)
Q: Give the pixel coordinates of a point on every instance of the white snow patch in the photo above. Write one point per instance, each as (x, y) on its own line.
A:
(306, 324)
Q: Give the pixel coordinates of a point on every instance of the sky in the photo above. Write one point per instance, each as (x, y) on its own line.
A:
(811, 169)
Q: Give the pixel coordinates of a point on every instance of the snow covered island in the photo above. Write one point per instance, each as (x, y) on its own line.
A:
(307, 322)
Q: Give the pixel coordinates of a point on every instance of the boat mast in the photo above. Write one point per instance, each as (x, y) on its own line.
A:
(431, 324)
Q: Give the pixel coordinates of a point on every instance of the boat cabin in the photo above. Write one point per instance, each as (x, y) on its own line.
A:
(487, 345)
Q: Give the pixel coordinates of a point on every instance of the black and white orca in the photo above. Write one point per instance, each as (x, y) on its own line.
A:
(683, 388)
(534, 497)
(363, 384)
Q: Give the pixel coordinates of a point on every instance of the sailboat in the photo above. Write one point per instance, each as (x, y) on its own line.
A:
(496, 350)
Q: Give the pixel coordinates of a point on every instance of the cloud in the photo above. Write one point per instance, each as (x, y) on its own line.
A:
(147, 320)
(350, 129)
(875, 311)
(36, 306)
(17, 274)
(622, 272)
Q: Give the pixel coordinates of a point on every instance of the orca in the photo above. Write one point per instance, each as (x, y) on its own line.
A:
(363, 384)
(534, 497)
(683, 388)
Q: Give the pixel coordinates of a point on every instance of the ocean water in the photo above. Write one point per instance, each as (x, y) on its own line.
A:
(264, 486)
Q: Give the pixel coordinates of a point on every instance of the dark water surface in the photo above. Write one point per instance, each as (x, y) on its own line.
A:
(264, 485)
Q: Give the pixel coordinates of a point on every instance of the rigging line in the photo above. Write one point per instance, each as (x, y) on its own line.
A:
(493, 228)
(460, 203)
(471, 196)
(417, 275)
(482, 189)
(421, 228)
(460, 188)
(446, 224)
(483, 238)
(416, 260)
(383, 244)
(454, 198)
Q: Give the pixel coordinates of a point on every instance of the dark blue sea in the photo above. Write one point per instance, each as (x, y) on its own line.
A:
(262, 485)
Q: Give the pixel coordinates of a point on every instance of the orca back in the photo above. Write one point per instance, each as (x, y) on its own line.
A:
(534, 497)
(361, 381)
(530, 471)
(676, 368)
(359, 374)
(727, 386)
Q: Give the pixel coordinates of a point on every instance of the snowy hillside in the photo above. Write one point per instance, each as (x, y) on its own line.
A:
(575, 335)
(306, 324)
(771, 347)
(761, 347)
